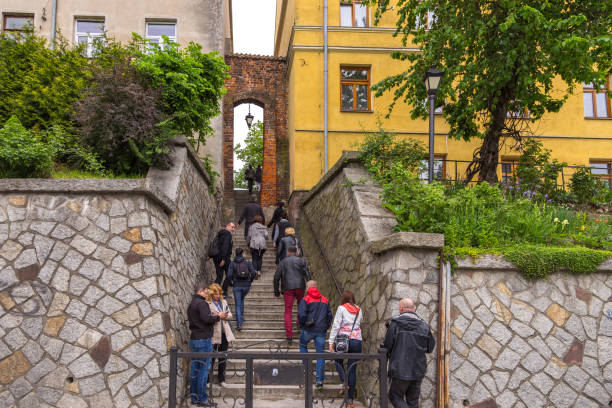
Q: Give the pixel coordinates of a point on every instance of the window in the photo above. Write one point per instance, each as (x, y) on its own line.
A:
(16, 24)
(508, 166)
(439, 168)
(355, 88)
(155, 31)
(353, 14)
(603, 169)
(90, 33)
(427, 21)
(596, 101)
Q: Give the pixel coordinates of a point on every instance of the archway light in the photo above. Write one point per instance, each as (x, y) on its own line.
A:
(249, 118)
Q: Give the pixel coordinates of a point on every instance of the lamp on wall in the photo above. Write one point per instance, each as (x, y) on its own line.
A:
(249, 118)
(432, 82)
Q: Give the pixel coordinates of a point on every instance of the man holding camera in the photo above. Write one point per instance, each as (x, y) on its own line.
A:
(315, 317)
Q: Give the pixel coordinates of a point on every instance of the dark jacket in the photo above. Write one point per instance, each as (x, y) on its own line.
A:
(292, 273)
(225, 247)
(233, 269)
(280, 233)
(258, 173)
(284, 245)
(201, 321)
(276, 217)
(314, 307)
(250, 211)
(408, 339)
(249, 173)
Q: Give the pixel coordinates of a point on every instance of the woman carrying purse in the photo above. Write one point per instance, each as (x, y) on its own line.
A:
(222, 332)
(345, 337)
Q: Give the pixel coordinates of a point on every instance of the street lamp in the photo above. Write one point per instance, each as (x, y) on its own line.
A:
(249, 118)
(432, 81)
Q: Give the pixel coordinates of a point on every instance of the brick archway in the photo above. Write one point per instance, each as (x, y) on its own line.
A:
(259, 80)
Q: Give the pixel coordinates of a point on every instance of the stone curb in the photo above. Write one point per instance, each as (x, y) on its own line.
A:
(408, 240)
(495, 262)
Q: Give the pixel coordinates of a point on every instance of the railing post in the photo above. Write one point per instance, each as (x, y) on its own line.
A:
(382, 378)
(308, 383)
(249, 383)
(173, 375)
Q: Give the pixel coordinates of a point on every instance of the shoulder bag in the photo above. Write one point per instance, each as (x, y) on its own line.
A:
(341, 342)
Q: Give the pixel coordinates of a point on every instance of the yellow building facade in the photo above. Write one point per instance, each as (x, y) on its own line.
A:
(358, 57)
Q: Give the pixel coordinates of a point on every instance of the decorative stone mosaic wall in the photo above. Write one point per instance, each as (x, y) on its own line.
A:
(94, 285)
(517, 343)
(514, 343)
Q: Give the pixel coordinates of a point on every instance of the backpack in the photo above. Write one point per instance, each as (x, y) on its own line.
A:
(213, 248)
(242, 271)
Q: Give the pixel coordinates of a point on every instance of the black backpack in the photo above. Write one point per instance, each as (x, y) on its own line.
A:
(213, 248)
(242, 271)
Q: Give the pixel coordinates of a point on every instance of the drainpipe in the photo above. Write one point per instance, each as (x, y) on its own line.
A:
(325, 96)
(53, 19)
(444, 300)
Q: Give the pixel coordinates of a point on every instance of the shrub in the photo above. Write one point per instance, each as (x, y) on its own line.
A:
(587, 187)
(22, 153)
(66, 148)
(536, 173)
(38, 84)
(120, 120)
(191, 84)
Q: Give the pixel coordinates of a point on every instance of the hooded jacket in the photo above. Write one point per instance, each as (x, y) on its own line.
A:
(408, 339)
(233, 280)
(314, 307)
(346, 321)
(292, 273)
(257, 236)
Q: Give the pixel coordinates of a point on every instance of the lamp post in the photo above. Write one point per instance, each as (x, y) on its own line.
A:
(249, 118)
(432, 82)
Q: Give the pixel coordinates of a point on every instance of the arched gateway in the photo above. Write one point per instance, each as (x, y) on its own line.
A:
(259, 80)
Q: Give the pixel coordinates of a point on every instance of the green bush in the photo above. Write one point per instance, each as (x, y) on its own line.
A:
(191, 83)
(22, 152)
(535, 173)
(588, 188)
(38, 84)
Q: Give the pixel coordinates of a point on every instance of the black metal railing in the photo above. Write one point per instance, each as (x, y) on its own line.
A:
(372, 397)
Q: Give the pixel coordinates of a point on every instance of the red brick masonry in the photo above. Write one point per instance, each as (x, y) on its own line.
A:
(259, 80)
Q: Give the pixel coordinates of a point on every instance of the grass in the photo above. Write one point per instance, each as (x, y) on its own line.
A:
(61, 171)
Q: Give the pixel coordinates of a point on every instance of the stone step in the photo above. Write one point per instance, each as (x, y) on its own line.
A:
(253, 300)
(251, 315)
(267, 343)
(260, 333)
(276, 392)
(278, 309)
(263, 401)
(234, 375)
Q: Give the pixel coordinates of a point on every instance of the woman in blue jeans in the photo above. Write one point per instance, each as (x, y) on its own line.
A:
(347, 321)
(201, 322)
(240, 275)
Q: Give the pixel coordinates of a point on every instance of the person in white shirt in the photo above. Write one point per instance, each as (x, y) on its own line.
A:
(347, 322)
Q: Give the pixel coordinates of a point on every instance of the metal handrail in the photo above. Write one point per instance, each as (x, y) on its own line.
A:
(329, 268)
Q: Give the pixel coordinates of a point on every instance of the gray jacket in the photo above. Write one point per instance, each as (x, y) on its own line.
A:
(292, 273)
(257, 236)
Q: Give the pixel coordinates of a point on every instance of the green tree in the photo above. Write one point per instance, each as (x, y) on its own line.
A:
(498, 57)
(191, 83)
(251, 153)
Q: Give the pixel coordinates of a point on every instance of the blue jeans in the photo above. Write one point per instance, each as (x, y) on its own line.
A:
(199, 370)
(319, 341)
(240, 293)
(354, 347)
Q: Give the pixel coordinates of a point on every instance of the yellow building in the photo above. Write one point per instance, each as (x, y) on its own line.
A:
(359, 56)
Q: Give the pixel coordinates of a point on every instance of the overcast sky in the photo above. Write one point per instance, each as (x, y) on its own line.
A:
(253, 22)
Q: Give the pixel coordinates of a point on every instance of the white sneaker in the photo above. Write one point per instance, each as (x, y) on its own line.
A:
(222, 384)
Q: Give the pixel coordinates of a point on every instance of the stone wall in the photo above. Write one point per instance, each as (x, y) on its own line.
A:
(513, 342)
(95, 279)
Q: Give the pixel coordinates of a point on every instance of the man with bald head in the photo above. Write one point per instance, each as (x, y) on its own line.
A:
(407, 340)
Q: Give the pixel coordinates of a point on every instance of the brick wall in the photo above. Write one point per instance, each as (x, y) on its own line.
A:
(259, 80)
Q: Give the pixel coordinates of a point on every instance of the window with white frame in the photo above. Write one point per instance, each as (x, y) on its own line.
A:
(439, 168)
(596, 101)
(90, 33)
(603, 169)
(157, 29)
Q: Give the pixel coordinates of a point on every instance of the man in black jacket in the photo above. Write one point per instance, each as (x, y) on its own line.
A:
(223, 260)
(407, 340)
(292, 274)
(241, 285)
(201, 323)
(248, 214)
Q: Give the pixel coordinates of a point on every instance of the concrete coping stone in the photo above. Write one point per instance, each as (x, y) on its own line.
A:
(496, 262)
(145, 186)
(348, 157)
(408, 240)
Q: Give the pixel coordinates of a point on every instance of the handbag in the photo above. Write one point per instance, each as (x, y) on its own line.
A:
(341, 342)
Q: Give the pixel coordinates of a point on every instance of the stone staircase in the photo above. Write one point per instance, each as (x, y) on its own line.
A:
(277, 382)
